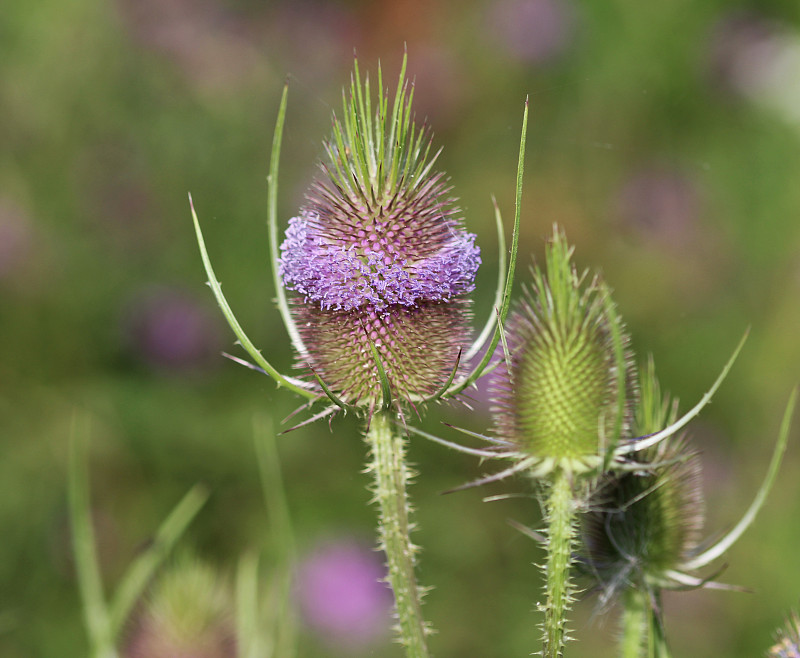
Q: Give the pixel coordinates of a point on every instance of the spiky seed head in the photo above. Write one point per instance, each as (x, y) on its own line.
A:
(787, 639)
(560, 399)
(647, 521)
(189, 613)
(378, 255)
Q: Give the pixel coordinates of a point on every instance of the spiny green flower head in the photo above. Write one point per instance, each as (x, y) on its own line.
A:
(646, 521)
(378, 256)
(787, 641)
(189, 614)
(563, 397)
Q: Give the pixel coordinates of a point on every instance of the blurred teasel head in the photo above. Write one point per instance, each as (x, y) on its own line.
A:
(562, 401)
(189, 612)
(378, 257)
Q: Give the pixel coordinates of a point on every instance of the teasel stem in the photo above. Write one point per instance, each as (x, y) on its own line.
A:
(634, 623)
(642, 627)
(561, 530)
(391, 473)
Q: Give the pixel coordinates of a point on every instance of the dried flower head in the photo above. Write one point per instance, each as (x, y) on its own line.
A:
(379, 257)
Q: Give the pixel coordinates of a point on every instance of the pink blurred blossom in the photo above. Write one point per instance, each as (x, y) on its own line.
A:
(342, 595)
(168, 329)
(532, 31)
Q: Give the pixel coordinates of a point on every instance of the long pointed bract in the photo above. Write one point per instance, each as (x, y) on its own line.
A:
(651, 440)
(272, 227)
(289, 382)
(730, 538)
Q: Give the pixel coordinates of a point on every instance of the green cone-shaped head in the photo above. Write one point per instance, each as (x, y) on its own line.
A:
(563, 399)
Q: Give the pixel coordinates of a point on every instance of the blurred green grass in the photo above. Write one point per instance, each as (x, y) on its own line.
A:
(680, 187)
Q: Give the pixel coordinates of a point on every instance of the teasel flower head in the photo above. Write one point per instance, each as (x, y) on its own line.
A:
(379, 264)
(378, 257)
(787, 639)
(189, 612)
(644, 526)
(562, 399)
(645, 520)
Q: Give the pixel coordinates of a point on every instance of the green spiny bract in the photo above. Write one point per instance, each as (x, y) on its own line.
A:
(564, 400)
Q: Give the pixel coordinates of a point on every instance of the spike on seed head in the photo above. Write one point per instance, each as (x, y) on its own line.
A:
(378, 255)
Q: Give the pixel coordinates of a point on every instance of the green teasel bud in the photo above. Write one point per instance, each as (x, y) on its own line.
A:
(565, 394)
(188, 613)
(647, 514)
(644, 524)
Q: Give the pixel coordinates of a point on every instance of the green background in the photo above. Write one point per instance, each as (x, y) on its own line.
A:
(110, 112)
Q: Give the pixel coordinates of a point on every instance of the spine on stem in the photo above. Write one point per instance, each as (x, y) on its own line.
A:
(391, 473)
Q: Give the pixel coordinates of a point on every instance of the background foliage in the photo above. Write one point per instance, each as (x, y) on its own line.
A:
(664, 137)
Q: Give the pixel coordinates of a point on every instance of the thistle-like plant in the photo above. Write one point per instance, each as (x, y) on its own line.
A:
(643, 533)
(563, 411)
(379, 267)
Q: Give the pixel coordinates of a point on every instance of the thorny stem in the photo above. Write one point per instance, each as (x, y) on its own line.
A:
(560, 509)
(391, 475)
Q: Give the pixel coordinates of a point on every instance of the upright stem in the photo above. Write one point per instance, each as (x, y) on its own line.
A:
(635, 623)
(87, 566)
(642, 627)
(658, 641)
(391, 477)
(560, 509)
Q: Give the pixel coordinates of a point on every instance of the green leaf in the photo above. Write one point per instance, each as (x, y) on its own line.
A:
(141, 571)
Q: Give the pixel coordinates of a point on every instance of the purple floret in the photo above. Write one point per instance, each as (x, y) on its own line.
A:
(343, 274)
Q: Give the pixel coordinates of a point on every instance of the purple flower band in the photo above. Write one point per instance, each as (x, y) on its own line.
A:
(343, 275)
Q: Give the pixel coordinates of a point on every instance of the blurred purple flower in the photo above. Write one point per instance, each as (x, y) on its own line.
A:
(169, 330)
(210, 42)
(343, 596)
(533, 31)
(661, 203)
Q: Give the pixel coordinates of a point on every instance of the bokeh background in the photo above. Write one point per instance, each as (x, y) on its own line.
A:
(664, 137)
